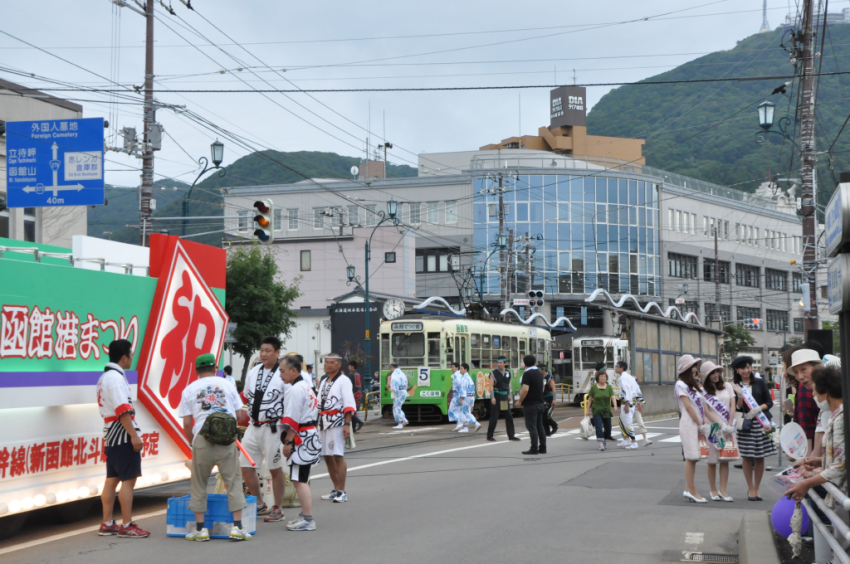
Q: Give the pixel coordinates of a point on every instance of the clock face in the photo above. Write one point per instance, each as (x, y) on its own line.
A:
(393, 308)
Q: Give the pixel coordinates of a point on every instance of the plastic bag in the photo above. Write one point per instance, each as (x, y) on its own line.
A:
(586, 428)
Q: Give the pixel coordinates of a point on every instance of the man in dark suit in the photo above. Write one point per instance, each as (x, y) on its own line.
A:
(531, 400)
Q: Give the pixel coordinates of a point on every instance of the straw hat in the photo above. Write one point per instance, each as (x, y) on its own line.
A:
(685, 362)
(707, 368)
(803, 356)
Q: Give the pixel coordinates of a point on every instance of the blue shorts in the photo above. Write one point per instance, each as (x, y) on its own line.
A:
(123, 462)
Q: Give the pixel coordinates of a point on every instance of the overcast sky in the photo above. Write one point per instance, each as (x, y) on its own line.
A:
(356, 44)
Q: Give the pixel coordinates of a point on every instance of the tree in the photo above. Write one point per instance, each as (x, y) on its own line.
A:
(258, 299)
(737, 340)
(836, 336)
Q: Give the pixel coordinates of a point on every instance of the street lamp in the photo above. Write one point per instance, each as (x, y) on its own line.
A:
(350, 272)
(766, 111)
(217, 155)
(502, 241)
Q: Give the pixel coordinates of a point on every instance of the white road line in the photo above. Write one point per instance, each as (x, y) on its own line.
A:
(61, 536)
(676, 439)
(406, 431)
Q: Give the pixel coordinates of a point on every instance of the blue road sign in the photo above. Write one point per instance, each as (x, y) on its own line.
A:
(54, 163)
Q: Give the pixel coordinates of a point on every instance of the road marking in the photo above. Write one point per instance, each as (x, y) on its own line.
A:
(694, 538)
(406, 431)
(676, 439)
(61, 536)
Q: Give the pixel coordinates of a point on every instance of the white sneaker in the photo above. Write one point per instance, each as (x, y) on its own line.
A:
(399, 426)
(458, 428)
(477, 426)
(464, 430)
(340, 497)
(302, 525)
(623, 444)
(239, 534)
(202, 536)
(647, 442)
(632, 446)
(330, 495)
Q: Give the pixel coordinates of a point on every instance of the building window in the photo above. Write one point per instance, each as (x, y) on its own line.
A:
(708, 270)
(451, 212)
(798, 325)
(711, 312)
(434, 212)
(318, 218)
(292, 215)
(777, 320)
(824, 290)
(4, 217)
(242, 224)
(354, 215)
(371, 215)
(687, 307)
(748, 313)
(389, 257)
(306, 262)
(775, 279)
(414, 211)
(682, 266)
(434, 260)
(278, 220)
(746, 275)
(797, 281)
(756, 237)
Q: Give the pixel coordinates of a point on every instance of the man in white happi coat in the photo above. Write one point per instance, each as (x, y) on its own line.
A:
(336, 408)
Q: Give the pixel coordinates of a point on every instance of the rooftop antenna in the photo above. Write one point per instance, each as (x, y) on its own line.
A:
(765, 27)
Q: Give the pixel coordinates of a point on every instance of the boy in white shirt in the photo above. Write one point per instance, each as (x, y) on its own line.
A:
(212, 396)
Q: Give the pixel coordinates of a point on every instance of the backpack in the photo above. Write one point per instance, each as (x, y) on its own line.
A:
(219, 428)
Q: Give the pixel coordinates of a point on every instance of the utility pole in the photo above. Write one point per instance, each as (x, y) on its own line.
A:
(717, 279)
(529, 277)
(149, 120)
(508, 273)
(808, 159)
(503, 282)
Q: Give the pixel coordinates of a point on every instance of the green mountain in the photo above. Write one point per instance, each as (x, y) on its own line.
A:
(122, 208)
(707, 130)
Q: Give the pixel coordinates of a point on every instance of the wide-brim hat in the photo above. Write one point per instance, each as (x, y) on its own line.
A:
(706, 368)
(685, 362)
(741, 361)
(803, 356)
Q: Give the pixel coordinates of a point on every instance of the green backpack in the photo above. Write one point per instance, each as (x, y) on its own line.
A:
(219, 428)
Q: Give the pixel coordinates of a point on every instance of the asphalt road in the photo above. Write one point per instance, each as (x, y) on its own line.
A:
(426, 494)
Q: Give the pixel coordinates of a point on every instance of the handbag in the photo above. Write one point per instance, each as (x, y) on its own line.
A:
(585, 428)
(729, 451)
(747, 425)
(703, 447)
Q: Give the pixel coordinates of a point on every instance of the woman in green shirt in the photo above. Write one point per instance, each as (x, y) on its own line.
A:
(598, 404)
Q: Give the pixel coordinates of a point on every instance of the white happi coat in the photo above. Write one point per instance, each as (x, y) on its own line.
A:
(336, 398)
(302, 409)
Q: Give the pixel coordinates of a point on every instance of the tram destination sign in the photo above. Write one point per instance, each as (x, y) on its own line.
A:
(837, 224)
(407, 326)
(838, 280)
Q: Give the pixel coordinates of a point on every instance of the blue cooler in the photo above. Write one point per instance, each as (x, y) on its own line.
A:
(218, 519)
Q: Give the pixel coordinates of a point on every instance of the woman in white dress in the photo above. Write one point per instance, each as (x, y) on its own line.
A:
(719, 400)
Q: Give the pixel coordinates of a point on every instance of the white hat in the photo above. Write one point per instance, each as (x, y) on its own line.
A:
(706, 369)
(803, 356)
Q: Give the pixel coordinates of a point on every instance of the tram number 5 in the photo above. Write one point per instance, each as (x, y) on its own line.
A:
(424, 378)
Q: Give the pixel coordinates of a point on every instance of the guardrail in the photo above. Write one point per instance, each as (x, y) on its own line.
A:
(827, 545)
(37, 255)
(565, 388)
(367, 401)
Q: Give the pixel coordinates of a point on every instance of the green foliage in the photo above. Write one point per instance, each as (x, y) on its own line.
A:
(737, 339)
(836, 336)
(676, 119)
(252, 170)
(258, 301)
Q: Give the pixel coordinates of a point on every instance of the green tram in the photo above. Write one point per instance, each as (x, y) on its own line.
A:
(424, 346)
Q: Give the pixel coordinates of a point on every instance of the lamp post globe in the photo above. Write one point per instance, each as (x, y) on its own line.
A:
(766, 110)
(503, 241)
(392, 208)
(350, 272)
(217, 152)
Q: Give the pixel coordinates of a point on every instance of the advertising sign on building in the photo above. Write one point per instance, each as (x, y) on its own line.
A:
(568, 106)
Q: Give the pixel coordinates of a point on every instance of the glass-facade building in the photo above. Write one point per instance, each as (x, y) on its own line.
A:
(585, 232)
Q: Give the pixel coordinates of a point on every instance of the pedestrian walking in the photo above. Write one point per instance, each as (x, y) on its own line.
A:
(336, 406)
(549, 399)
(208, 407)
(263, 393)
(301, 444)
(630, 396)
(691, 420)
(454, 408)
(121, 441)
(599, 402)
(753, 445)
(720, 401)
(354, 376)
(466, 400)
(398, 387)
(500, 383)
(531, 395)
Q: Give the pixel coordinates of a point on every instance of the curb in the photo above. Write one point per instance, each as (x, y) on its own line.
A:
(755, 539)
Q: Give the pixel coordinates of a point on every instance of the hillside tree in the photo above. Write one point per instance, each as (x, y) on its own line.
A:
(258, 299)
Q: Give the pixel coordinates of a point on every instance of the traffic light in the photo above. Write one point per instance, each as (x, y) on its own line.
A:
(535, 298)
(263, 220)
(753, 324)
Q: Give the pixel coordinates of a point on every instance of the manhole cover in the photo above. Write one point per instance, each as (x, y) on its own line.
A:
(715, 558)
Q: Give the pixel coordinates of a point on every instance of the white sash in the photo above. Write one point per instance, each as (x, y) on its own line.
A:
(753, 404)
(716, 405)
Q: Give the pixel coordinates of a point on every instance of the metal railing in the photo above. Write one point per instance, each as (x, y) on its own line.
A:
(826, 541)
(367, 402)
(564, 388)
(38, 254)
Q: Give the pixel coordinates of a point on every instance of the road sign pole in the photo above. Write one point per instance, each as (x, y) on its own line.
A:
(149, 119)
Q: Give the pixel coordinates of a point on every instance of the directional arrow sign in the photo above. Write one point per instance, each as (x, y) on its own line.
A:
(54, 163)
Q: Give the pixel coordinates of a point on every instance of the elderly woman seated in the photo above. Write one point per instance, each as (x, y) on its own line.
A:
(831, 466)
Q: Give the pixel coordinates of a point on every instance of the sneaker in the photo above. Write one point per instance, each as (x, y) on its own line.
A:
(275, 515)
(263, 509)
(340, 497)
(330, 495)
(108, 530)
(477, 426)
(458, 428)
(299, 518)
(302, 525)
(239, 534)
(604, 445)
(464, 430)
(399, 426)
(647, 442)
(132, 531)
(632, 446)
(202, 536)
(623, 444)
(601, 446)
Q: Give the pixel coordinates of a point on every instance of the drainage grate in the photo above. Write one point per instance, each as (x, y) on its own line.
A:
(713, 558)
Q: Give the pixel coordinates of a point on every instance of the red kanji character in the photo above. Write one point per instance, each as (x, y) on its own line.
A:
(80, 457)
(66, 456)
(179, 348)
(51, 456)
(4, 461)
(145, 443)
(36, 456)
(13, 331)
(88, 336)
(66, 335)
(41, 333)
(19, 462)
(153, 449)
(95, 450)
